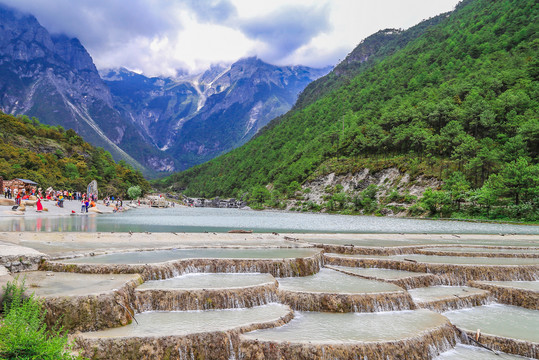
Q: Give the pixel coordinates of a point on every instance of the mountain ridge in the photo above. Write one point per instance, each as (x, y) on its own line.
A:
(195, 117)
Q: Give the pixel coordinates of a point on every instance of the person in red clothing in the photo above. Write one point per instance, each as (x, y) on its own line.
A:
(39, 206)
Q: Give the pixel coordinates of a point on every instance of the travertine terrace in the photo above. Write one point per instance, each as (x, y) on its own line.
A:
(262, 294)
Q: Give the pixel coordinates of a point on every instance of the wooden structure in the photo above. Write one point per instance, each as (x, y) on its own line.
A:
(21, 184)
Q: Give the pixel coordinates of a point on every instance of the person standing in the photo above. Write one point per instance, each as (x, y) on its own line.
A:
(39, 206)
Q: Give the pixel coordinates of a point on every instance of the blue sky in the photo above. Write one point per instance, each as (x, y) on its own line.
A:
(157, 37)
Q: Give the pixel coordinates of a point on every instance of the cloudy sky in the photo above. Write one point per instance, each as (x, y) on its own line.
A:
(157, 37)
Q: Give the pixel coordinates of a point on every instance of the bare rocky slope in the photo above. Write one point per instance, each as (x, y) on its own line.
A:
(194, 118)
(54, 79)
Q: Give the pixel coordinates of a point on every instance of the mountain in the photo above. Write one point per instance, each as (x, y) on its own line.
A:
(54, 78)
(458, 103)
(155, 124)
(54, 157)
(194, 118)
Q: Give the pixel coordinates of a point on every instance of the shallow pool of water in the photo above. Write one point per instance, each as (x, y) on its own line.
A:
(72, 284)
(351, 327)
(157, 256)
(386, 274)
(460, 260)
(209, 281)
(331, 281)
(500, 320)
(434, 293)
(221, 220)
(526, 285)
(468, 352)
(480, 250)
(174, 323)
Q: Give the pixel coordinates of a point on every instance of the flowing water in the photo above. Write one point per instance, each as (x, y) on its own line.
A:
(220, 220)
(467, 352)
(351, 327)
(209, 281)
(330, 281)
(71, 284)
(434, 293)
(169, 323)
(158, 256)
(500, 320)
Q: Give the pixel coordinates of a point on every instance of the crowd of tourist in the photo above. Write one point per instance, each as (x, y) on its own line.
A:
(60, 196)
(18, 195)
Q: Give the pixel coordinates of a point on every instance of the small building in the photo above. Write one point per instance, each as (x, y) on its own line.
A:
(21, 184)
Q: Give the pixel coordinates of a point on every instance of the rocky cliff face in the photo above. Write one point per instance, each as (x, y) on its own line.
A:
(197, 117)
(54, 79)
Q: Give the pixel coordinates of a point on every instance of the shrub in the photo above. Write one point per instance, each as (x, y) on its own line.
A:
(23, 333)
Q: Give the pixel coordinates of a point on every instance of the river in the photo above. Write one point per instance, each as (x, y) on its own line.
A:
(222, 220)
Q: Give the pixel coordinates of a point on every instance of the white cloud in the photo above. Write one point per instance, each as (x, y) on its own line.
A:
(158, 37)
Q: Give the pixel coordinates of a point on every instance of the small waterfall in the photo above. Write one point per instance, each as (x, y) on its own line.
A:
(173, 300)
(511, 295)
(231, 352)
(361, 302)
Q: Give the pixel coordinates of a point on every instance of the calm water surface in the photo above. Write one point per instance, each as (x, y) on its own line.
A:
(222, 220)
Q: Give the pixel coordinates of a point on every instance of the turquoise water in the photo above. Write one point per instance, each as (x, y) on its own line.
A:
(158, 256)
(209, 281)
(453, 260)
(177, 323)
(306, 327)
(500, 320)
(222, 220)
(331, 281)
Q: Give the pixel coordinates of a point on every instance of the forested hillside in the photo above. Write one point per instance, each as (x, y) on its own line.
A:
(52, 156)
(459, 103)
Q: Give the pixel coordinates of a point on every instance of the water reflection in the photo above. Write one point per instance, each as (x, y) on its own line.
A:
(51, 224)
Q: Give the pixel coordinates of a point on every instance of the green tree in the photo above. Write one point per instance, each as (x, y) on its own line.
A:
(520, 179)
(71, 171)
(134, 192)
(457, 187)
(259, 195)
(435, 201)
